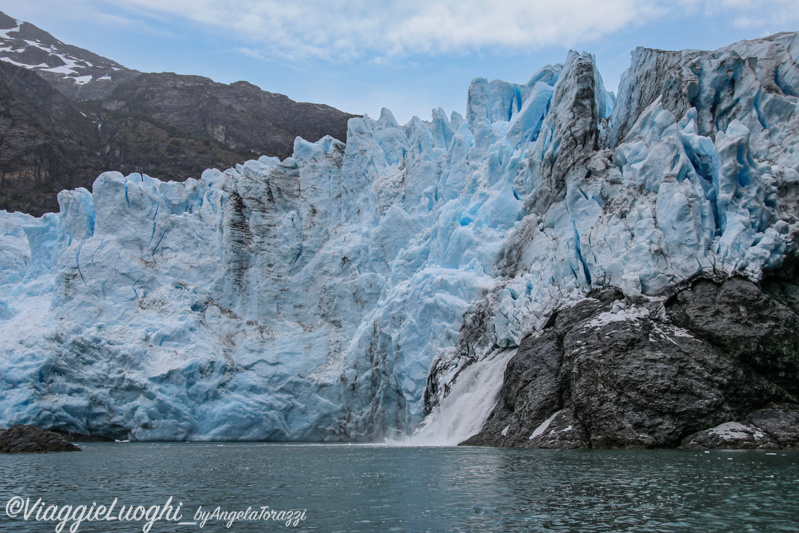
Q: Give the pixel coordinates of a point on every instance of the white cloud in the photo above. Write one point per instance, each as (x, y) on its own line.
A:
(365, 29)
(75, 10)
(778, 14)
(249, 52)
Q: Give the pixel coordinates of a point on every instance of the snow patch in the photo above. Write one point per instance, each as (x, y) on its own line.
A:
(543, 426)
(617, 314)
(735, 431)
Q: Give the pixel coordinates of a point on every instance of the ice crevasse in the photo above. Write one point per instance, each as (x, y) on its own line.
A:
(338, 294)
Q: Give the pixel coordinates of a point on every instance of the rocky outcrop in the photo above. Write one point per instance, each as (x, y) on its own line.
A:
(747, 324)
(712, 366)
(31, 439)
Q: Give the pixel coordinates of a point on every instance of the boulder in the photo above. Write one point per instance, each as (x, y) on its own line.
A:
(31, 439)
(775, 426)
(729, 435)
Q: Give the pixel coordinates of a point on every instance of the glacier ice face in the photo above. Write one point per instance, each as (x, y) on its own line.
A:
(339, 294)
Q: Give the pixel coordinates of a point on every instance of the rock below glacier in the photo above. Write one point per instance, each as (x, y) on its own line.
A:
(746, 323)
(27, 439)
(729, 435)
(629, 373)
(780, 422)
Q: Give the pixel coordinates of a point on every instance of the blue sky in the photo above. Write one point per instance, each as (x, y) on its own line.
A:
(409, 56)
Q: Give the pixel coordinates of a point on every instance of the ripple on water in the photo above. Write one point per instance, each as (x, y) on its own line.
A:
(382, 488)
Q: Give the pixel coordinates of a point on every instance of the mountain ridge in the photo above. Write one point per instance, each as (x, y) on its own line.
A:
(133, 127)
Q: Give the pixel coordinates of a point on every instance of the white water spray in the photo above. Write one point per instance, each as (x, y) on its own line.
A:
(465, 409)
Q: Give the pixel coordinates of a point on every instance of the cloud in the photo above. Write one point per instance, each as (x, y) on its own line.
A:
(75, 10)
(364, 29)
(778, 14)
(249, 52)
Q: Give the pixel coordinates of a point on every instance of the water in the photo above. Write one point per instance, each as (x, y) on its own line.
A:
(465, 409)
(356, 488)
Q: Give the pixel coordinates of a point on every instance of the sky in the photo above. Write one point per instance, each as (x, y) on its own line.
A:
(409, 56)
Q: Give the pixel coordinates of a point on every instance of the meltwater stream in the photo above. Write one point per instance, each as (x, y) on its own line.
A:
(361, 488)
(465, 409)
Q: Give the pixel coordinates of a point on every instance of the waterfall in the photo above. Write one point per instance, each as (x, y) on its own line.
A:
(462, 412)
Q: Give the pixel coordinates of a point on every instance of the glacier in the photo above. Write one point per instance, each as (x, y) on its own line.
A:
(338, 295)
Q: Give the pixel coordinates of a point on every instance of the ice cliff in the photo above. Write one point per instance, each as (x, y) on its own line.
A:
(341, 293)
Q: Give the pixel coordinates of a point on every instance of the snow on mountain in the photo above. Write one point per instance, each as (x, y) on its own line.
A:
(338, 294)
(75, 71)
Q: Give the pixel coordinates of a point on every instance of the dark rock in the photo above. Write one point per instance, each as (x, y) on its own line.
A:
(576, 130)
(745, 322)
(6, 22)
(624, 374)
(775, 426)
(45, 143)
(563, 431)
(639, 383)
(239, 116)
(780, 422)
(25, 439)
(596, 301)
(782, 284)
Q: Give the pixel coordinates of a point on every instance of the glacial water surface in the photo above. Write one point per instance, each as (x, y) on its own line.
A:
(359, 488)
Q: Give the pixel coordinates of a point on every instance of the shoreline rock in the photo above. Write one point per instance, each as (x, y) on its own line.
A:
(32, 439)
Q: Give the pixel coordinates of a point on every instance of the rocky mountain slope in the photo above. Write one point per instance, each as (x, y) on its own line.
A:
(559, 264)
(67, 115)
(73, 71)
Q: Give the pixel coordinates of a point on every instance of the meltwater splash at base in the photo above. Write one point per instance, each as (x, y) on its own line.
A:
(465, 409)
